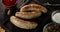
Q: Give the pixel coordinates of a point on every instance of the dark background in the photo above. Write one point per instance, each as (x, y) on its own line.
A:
(11, 27)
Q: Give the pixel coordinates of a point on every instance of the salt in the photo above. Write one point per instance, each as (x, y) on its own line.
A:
(56, 18)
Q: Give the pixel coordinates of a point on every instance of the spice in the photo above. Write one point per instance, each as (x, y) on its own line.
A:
(53, 28)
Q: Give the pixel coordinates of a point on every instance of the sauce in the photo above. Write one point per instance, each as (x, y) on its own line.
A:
(9, 2)
(56, 18)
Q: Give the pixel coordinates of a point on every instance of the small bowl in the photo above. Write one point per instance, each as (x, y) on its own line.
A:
(53, 13)
(49, 25)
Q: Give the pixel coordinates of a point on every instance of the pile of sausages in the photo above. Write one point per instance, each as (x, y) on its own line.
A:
(29, 11)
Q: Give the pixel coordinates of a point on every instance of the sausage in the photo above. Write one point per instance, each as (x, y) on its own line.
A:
(22, 23)
(27, 15)
(34, 7)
